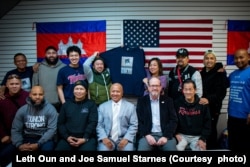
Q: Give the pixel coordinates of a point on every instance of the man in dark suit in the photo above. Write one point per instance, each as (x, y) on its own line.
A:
(157, 120)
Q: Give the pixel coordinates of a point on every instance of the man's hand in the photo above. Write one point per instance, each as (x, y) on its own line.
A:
(151, 140)
(25, 147)
(33, 147)
(76, 142)
(35, 67)
(6, 140)
(202, 145)
(248, 119)
(108, 143)
(203, 101)
(162, 141)
(122, 144)
(2, 90)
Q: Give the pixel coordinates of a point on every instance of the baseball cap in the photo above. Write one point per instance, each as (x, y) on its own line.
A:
(182, 52)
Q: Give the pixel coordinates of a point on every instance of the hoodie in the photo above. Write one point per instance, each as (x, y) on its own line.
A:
(47, 77)
(38, 120)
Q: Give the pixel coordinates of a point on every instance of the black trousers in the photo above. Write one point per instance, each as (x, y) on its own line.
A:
(238, 134)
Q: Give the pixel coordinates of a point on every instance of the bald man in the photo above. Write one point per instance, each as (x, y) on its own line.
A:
(238, 104)
(35, 123)
(127, 123)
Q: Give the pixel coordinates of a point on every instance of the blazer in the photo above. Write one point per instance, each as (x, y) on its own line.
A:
(168, 118)
(127, 120)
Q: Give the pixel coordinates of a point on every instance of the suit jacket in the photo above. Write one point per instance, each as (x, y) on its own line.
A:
(127, 120)
(168, 116)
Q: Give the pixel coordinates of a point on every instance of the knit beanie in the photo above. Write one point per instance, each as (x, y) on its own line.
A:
(82, 83)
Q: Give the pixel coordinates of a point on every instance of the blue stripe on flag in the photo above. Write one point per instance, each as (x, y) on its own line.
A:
(71, 27)
(238, 25)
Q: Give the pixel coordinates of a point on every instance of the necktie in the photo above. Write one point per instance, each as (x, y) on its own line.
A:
(114, 132)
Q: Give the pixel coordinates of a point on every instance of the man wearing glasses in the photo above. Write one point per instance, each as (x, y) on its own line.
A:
(157, 120)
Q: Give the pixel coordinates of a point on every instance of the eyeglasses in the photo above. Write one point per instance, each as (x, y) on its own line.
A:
(11, 76)
(155, 86)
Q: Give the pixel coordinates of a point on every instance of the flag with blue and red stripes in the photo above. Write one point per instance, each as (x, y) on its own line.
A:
(238, 37)
(162, 38)
(89, 36)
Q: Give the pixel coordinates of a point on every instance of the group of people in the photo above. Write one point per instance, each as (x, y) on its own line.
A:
(54, 106)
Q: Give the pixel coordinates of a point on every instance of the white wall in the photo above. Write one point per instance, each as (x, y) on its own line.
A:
(17, 33)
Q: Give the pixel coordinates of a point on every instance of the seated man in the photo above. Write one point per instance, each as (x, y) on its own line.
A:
(194, 126)
(34, 125)
(157, 119)
(77, 121)
(117, 122)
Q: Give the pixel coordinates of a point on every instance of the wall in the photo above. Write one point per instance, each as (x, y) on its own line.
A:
(18, 34)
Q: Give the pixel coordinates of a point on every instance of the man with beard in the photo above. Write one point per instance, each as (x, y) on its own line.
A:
(182, 72)
(35, 123)
(47, 76)
(157, 119)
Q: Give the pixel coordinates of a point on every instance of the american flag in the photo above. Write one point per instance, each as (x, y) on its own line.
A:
(162, 38)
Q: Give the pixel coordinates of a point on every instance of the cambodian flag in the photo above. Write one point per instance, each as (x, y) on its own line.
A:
(89, 36)
(238, 37)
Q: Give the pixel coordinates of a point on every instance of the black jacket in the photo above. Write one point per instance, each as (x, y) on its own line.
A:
(214, 88)
(78, 119)
(167, 113)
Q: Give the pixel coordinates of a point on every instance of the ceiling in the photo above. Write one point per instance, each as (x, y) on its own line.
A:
(6, 6)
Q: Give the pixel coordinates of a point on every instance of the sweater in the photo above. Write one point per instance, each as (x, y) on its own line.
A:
(78, 119)
(193, 118)
(8, 109)
(127, 68)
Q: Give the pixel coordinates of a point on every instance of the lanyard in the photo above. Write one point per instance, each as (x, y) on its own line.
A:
(179, 75)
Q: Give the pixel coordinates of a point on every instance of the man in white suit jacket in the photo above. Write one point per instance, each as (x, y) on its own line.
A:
(127, 122)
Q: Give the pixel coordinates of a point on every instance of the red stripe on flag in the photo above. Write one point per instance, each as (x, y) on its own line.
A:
(187, 29)
(186, 37)
(187, 21)
(186, 45)
(194, 35)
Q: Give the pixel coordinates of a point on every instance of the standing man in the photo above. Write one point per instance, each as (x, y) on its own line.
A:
(117, 122)
(14, 99)
(47, 75)
(238, 105)
(24, 72)
(194, 126)
(68, 75)
(157, 119)
(182, 72)
(214, 85)
(99, 78)
(35, 123)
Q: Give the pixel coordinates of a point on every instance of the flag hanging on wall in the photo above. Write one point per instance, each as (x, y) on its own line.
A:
(238, 36)
(89, 36)
(162, 38)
